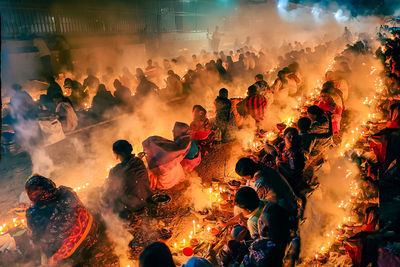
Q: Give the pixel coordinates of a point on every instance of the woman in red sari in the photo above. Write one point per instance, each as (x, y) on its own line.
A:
(201, 129)
(63, 228)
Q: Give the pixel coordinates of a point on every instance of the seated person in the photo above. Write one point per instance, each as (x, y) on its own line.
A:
(123, 96)
(291, 161)
(308, 140)
(328, 104)
(320, 125)
(102, 101)
(78, 95)
(200, 126)
(254, 105)
(127, 188)
(268, 183)
(274, 229)
(249, 207)
(156, 254)
(53, 89)
(201, 129)
(167, 159)
(224, 117)
(22, 106)
(65, 113)
(63, 228)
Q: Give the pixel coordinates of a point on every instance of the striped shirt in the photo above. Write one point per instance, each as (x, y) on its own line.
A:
(255, 107)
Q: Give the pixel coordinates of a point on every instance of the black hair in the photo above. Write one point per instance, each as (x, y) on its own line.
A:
(247, 198)
(315, 110)
(292, 131)
(304, 124)
(122, 147)
(156, 254)
(223, 92)
(199, 107)
(259, 76)
(328, 85)
(252, 90)
(246, 167)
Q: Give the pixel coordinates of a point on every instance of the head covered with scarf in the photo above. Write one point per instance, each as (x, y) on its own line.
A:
(40, 189)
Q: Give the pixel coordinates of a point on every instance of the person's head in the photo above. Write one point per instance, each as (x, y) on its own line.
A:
(122, 149)
(171, 72)
(314, 112)
(199, 113)
(194, 57)
(282, 75)
(156, 254)
(304, 124)
(117, 83)
(247, 200)
(246, 168)
(40, 189)
(180, 129)
(329, 76)
(291, 136)
(329, 85)
(139, 74)
(259, 77)
(101, 88)
(274, 223)
(223, 92)
(252, 90)
(325, 94)
(68, 83)
(197, 262)
(293, 67)
(149, 62)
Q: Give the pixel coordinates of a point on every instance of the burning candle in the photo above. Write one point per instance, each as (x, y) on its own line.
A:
(184, 241)
(194, 227)
(175, 245)
(208, 229)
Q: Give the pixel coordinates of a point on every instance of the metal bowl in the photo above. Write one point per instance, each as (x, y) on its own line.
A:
(160, 199)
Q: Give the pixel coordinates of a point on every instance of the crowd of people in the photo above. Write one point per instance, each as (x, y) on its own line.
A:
(279, 177)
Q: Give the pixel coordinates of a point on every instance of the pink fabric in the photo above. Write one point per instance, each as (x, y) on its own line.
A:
(189, 164)
(164, 160)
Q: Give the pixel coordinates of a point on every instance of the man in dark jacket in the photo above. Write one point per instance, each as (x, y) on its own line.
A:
(128, 186)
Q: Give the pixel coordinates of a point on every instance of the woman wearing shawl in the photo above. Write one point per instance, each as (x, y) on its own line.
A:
(201, 129)
(127, 188)
(63, 228)
(168, 160)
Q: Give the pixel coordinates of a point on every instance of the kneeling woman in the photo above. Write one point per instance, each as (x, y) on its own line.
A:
(169, 160)
(63, 228)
